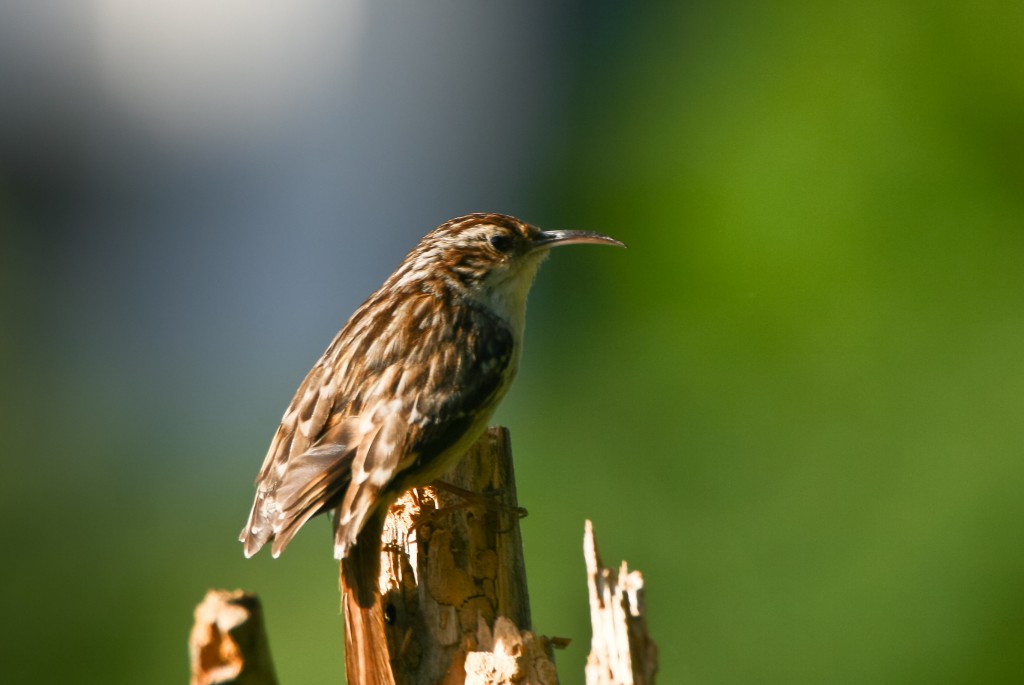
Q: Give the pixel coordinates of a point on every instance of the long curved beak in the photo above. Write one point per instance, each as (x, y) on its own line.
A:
(556, 238)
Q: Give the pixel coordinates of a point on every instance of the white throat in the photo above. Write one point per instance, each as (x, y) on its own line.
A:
(504, 292)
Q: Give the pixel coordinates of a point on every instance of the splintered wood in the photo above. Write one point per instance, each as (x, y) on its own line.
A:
(228, 643)
(451, 567)
(509, 656)
(621, 651)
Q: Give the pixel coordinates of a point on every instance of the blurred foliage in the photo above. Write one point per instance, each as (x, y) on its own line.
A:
(794, 403)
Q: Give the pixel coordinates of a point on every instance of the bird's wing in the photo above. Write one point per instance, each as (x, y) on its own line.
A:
(465, 382)
(393, 392)
(436, 399)
(349, 467)
(306, 443)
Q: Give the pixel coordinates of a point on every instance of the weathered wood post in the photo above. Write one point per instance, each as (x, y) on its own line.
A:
(453, 582)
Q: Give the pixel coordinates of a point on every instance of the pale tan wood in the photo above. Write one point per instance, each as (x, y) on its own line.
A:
(621, 650)
(228, 643)
(507, 656)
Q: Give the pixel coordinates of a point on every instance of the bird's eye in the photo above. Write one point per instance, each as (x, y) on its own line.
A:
(501, 243)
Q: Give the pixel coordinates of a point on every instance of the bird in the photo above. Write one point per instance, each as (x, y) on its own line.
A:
(405, 387)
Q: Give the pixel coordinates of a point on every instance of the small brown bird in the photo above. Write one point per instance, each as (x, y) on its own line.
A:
(406, 387)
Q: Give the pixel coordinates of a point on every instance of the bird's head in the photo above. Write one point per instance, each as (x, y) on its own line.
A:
(491, 258)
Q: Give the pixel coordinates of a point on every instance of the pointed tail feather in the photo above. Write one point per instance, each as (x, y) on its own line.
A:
(360, 569)
(367, 657)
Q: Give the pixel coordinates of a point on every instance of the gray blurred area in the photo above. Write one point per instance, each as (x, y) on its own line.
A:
(196, 182)
(193, 197)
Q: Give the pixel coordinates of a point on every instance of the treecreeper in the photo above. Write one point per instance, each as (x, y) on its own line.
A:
(404, 389)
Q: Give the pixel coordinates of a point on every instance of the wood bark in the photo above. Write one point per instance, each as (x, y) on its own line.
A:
(453, 582)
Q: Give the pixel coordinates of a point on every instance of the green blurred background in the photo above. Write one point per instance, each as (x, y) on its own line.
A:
(794, 403)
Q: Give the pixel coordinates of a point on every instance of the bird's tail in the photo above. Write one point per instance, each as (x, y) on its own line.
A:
(367, 657)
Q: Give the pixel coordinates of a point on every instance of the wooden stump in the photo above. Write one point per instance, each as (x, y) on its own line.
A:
(451, 568)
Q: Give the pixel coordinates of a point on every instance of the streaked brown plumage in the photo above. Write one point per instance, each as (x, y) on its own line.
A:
(405, 388)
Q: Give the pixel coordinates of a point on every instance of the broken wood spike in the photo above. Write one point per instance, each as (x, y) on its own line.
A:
(621, 650)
